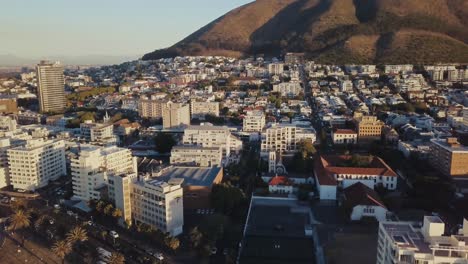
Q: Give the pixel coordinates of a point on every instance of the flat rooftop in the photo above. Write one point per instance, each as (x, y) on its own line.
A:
(196, 176)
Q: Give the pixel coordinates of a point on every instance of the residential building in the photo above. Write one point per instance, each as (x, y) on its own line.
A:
(175, 115)
(369, 128)
(92, 166)
(254, 121)
(36, 163)
(7, 124)
(285, 137)
(361, 202)
(337, 172)
(201, 109)
(280, 185)
(344, 136)
(196, 155)
(276, 68)
(8, 106)
(449, 157)
(290, 89)
(409, 242)
(149, 108)
(51, 87)
(102, 133)
(4, 169)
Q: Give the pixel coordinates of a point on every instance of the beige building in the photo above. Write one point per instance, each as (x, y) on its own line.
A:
(196, 155)
(344, 136)
(285, 138)
(254, 121)
(98, 132)
(201, 109)
(408, 242)
(449, 157)
(36, 163)
(369, 128)
(149, 108)
(51, 90)
(175, 115)
(8, 106)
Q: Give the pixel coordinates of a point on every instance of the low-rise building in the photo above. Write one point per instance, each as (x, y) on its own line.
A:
(361, 201)
(254, 121)
(194, 155)
(280, 185)
(344, 136)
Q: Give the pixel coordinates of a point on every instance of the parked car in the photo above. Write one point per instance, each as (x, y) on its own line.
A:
(213, 251)
(114, 234)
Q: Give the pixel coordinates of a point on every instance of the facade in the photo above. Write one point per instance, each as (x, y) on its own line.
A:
(254, 121)
(175, 115)
(369, 128)
(97, 132)
(158, 204)
(288, 88)
(8, 106)
(276, 68)
(285, 137)
(361, 201)
(196, 155)
(344, 136)
(333, 173)
(92, 166)
(36, 163)
(51, 90)
(149, 108)
(408, 242)
(201, 109)
(4, 169)
(280, 185)
(449, 157)
(213, 136)
(7, 124)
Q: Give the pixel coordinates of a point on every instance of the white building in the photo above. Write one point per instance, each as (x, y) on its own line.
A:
(175, 115)
(276, 68)
(288, 88)
(93, 165)
(346, 86)
(344, 136)
(196, 155)
(97, 132)
(201, 109)
(7, 124)
(285, 137)
(280, 185)
(396, 69)
(254, 121)
(408, 242)
(36, 163)
(361, 201)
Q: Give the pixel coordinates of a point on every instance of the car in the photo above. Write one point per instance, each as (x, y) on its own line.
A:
(51, 221)
(213, 251)
(56, 206)
(70, 213)
(21, 191)
(114, 234)
(90, 223)
(159, 256)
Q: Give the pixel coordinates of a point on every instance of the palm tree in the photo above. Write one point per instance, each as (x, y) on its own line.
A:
(77, 234)
(108, 209)
(116, 258)
(100, 206)
(20, 220)
(117, 213)
(38, 223)
(62, 248)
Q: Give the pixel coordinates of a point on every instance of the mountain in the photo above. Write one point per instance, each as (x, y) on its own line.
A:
(336, 31)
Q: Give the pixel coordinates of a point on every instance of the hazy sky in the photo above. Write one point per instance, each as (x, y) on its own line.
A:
(36, 28)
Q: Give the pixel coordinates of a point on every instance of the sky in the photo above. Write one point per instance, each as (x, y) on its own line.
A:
(38, 28)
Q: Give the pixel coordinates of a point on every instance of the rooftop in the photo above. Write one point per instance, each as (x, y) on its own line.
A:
(197, 176)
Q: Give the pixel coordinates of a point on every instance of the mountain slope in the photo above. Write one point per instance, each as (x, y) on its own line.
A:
(376, 31)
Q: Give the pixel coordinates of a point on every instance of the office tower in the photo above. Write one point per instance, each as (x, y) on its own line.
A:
(50, 87)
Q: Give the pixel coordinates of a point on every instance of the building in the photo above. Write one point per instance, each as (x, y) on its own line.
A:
(98, 132)
(280, 185)
(4, 169)
(36, 163)
(276, 68)
(409, 242)
(213, 136)
(195, 155)
(92, 166)
(290, 89)
(197, 183)
(338, 172)
(449, 157)
(361, 201)
(369, 128)
(8, 106)
(7, 124)
(175, 115)
(294, 58)
(149, 108)
(158, 204)
(279, 230)
(285, 137)
(51, 90)
(201, 109)
(344, 136)
(254, 121)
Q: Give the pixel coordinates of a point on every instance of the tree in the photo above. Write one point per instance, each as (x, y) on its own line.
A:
(117, 213)
(164, 142)
(100, 206)
(108, 209)
(306, 148)
(20, 220)
(116, 258)
(195, 237)
(212, 227)
(77, 234)
(172, 242)
(225, 197)
(103, 234)
(39, 221)
(61, 248)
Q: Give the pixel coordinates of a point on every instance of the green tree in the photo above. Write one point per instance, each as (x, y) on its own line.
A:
(20, 220)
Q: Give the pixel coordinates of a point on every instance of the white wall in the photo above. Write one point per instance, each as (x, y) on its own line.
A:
(327, 192)
(358, 212)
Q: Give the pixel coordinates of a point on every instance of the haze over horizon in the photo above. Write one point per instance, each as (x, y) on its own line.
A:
(54, 28)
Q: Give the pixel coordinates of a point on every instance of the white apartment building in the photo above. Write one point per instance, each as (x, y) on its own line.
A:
(396, 69)
(36, 163)
(254, 121)
(285, 138)
(408, 242)
(196, 155)
(7, 124)
(158, 204)
(93, 165)
(149, 108)
(346, 86)
(276, 68)
(288, 88)
(4, 169)
(212, 136)
(97, 132)
(175, 115)
(201, 109)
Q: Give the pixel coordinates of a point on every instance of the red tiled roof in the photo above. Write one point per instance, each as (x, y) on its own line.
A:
(280, 180)
(344, 131)
(360, 194)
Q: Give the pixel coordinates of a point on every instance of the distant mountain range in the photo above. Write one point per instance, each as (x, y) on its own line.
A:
(336, 31)
(7, 60)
